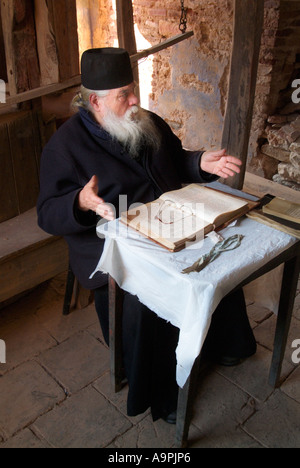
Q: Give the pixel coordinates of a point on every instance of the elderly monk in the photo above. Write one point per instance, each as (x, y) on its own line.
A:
(112, 147)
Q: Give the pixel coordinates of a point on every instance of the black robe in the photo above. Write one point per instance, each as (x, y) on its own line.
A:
(79, 150)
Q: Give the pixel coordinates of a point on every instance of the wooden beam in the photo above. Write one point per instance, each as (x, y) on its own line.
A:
(63, 20)
(46, 46)
(8, 189)
(20, 45)
(125, 27)
(7, 17)
(248, 24)
(3, 71)
(76, 80)
(163, 45)
(43, 91)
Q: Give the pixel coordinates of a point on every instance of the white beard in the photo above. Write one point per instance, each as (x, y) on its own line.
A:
(133, 130)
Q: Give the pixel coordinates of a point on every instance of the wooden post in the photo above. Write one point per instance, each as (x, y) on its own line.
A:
(20, 45)
(63, 18)
(248, 24)
(125, 26)
(3, 71)
(46, 44)
(126, 30)
(7, 18)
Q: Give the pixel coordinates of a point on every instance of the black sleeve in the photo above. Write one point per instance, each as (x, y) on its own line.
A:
(57, 203)
(186, 161)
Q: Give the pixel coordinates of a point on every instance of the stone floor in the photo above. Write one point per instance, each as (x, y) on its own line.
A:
(55, 387)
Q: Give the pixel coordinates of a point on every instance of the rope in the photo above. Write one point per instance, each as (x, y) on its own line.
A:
(226, 245)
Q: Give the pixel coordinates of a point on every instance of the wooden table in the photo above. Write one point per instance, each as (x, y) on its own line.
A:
(290, 258)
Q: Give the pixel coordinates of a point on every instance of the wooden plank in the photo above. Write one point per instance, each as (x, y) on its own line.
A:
(44, 91)
(20, 45)
(23, 143)
(8, 195)
(26, 58)
(3, 71)
(125, 27)
(7, 18)
(19, 233)
(248, 23)
(45, 44)
(63, 17)
(260, 187)
(163, 45)
(35, 266)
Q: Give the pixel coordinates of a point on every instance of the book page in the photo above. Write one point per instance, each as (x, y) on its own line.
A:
(164, 222)
(259, 216)
(181, 215)
(283, 209)
(204, 202)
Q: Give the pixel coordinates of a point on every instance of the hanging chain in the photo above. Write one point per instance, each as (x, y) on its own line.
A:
(183, 19)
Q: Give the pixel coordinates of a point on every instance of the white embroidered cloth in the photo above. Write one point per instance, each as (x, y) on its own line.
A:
(152, 273)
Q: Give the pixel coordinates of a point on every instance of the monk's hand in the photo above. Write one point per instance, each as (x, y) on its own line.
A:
(220, 163)
(88, 199)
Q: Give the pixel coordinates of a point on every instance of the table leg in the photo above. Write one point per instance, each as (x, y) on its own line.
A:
(185, 407)
(115, 334)
(69, 291)
(286, 304)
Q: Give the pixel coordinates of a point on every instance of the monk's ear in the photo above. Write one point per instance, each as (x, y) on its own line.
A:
(95, 102)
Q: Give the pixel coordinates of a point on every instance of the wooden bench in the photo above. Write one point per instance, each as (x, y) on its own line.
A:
(28, 255)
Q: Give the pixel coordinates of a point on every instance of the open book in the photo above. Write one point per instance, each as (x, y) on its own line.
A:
(279, 214)
(185, 215)
(283, 209)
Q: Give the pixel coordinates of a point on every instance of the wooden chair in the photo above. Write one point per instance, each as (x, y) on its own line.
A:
(82, 297)
(69, 291)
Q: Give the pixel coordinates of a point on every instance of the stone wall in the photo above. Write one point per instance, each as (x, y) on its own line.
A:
(276, 123)
(189, 86)
(280, 153)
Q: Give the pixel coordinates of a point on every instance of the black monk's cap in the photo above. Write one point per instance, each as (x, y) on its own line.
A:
(106, 68)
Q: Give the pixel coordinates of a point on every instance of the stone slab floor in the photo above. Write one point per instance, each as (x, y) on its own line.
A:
(55, 386)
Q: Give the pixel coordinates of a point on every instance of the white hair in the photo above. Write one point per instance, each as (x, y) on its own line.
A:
(82, 98)
(133, 130)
